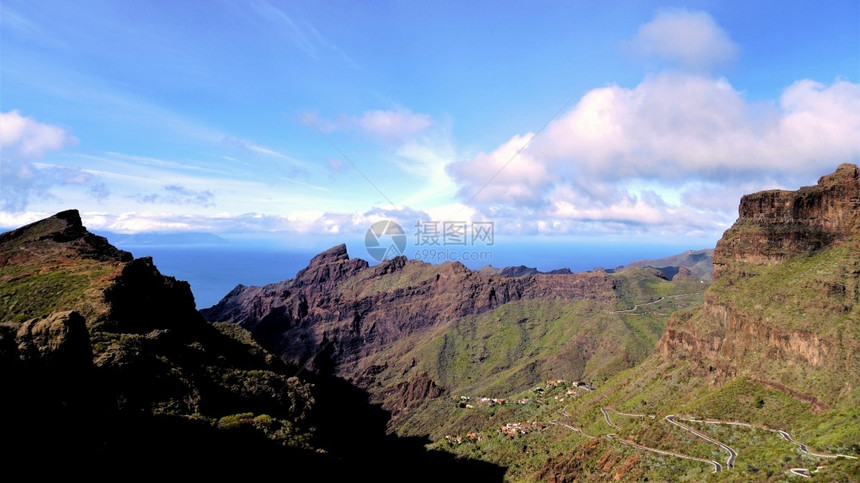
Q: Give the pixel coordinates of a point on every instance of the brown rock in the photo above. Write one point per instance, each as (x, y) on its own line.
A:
(769, 340)
(417, 390)
(59, 339)
(325, 312)
(57, 235)
(684, 274)
(776, 225)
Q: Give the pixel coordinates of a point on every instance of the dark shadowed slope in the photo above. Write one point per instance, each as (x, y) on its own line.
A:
(107, 367)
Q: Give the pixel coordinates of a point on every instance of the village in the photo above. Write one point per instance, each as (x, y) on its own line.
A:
(553, 389)
(571, 388)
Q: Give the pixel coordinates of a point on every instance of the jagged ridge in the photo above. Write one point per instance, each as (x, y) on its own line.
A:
(103, 359)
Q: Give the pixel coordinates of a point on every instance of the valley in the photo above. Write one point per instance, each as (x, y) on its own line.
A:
(637, 373)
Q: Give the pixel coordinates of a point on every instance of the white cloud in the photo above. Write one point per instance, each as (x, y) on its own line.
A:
(300, 32)
(426, 159)
(689, 39)
(676, 125)
(677, 132)
(19, 219)
(298, 166)
(393, 125)
(23, 140)
(25, 137)
(179, 195)
(507, 173)
(304, 222)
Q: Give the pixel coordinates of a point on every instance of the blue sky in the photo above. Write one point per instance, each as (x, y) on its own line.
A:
(304, 121)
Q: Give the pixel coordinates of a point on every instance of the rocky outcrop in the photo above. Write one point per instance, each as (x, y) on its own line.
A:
(327, 317)
(519, 271)
(683, 274)
(776, 225)
(328, 268)
(416, 391)
(793, 328)
(141, 299)
(105, 360)
(62, 235)
(60, 339)
(141, 351)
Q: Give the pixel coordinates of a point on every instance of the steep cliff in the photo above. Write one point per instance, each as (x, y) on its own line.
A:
(777, 225)
(106, 365)
(102, 352)
(342, 303)
(773, 351)
(785, 307)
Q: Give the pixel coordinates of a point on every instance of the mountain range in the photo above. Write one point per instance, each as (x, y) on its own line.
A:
(738, 363)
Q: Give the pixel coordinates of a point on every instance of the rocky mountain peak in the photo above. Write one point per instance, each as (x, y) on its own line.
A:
(334, 254)
(63, 232)
(776, 225)
(329, 267)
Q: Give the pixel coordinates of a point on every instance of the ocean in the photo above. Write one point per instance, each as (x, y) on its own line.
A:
(214, 270)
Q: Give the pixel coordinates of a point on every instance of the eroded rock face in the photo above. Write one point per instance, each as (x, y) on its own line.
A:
(325, 317)
(142, 341)
(776, 225)
(416, 390)
(761, 338)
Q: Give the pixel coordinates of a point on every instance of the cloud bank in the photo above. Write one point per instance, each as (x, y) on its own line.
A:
(672, 154)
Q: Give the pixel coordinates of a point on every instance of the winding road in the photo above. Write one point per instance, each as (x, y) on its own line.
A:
(800, 472)
(782, 433)
(636, 306)
(806, 450)
(633, 415)
(730, 461)
(606, 417)
(572, 428)
(718, 467)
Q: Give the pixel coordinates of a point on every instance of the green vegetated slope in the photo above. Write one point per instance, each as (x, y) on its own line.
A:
(699, 263)
(410, 332)
(773, 347)
(106, 366)
(508, 349)
(515, 346)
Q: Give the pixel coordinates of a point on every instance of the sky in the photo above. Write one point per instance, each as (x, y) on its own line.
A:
(306, 121)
